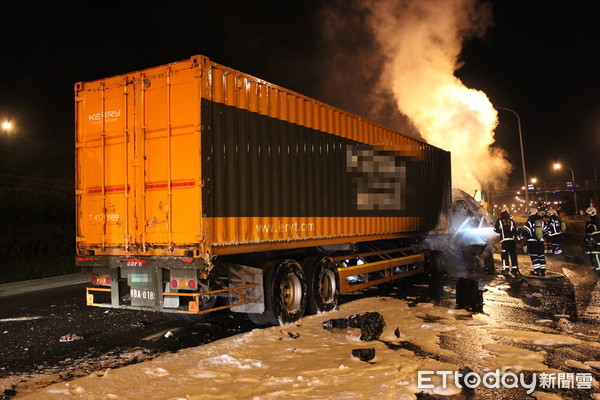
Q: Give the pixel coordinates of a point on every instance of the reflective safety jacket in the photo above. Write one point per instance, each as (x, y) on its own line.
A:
(554, 227)
(535, 228)
(506, 227)
(592, 232)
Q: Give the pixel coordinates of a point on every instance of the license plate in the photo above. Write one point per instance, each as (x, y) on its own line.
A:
(141, 288)
(142, 294)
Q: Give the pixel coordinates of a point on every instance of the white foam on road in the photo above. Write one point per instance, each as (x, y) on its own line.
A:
(269, 364)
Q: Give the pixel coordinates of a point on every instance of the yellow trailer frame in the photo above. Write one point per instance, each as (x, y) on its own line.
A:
(365, 275)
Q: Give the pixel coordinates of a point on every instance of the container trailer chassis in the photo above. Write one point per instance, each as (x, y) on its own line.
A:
(280, 290)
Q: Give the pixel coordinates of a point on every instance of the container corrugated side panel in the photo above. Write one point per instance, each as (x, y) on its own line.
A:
(276, 169)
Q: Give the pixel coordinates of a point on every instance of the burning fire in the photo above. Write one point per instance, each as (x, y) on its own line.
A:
(422, 40)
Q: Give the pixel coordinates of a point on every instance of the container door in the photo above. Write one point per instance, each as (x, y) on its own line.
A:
(102, 156)
(167, 158)
(138, 161)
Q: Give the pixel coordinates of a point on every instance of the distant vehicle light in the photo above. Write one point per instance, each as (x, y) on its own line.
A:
(94, 280)
(182, 283)
(192, 284)
(174, 283)
(107, 281)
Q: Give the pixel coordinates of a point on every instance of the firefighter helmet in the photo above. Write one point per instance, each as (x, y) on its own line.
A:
(551, 212)
(591, 211)
(533, 211)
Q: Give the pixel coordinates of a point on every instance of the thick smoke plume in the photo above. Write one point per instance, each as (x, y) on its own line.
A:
(422, 41)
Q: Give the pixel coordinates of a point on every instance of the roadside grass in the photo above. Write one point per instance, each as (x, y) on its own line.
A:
(22, 269)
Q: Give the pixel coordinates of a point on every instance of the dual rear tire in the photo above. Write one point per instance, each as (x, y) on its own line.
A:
(290, 290)
(323, 284)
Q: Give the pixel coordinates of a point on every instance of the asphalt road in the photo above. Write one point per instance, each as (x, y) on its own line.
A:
(32, 323)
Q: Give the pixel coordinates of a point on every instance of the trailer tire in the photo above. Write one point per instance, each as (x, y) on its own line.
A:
(285, 294)
(323, 284)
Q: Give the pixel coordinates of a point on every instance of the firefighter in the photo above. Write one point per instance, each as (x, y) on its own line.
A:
(555, 231)
(592, 238)
(534, 231)
(541, 206)
(507, 228)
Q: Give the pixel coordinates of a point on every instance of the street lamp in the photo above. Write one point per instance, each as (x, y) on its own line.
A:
(522, 152)
(535, 180)
(558, 166)
(7, 126)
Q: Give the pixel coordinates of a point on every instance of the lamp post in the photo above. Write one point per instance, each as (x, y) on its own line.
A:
(558, 166)
(522, 153)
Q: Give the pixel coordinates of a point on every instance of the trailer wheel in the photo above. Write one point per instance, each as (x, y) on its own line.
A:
(285, 294)
(323, 284)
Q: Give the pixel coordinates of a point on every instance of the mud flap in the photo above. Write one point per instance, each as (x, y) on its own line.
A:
(242, 275)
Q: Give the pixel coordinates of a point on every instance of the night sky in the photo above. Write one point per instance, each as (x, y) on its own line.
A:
(541, 59)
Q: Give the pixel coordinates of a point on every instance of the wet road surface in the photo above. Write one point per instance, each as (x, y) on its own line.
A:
(31, 325)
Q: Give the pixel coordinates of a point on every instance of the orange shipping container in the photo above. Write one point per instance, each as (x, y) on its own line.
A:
(197, 159)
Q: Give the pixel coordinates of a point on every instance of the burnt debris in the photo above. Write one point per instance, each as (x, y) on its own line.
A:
(371, 324)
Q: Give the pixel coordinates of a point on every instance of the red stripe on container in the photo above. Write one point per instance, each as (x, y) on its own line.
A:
(182, 184)
(107, 190)
(165, 185)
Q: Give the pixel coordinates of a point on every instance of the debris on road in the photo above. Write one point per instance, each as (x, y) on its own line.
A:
(371, 325)
(340, 323)
(71, 337)
(364, 354)
(165, 333)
